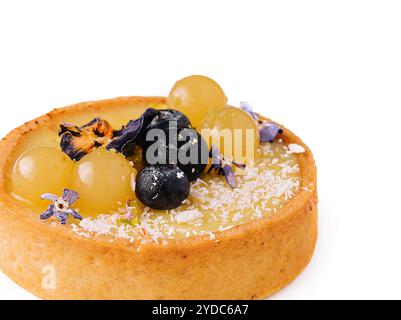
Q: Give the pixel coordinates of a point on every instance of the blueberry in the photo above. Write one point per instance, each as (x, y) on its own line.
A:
(189, 152)
(162, 187)
(163, 118)
(161, 121)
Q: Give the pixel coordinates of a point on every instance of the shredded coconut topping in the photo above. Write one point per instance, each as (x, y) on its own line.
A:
(212, 206)
(188, 216)
(296, 148)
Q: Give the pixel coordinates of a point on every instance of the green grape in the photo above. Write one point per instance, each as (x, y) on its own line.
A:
(196, 96)
(103, 180)
(41, 170)
(234, 131)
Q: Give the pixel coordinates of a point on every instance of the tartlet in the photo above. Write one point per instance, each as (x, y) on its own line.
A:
(249, 261)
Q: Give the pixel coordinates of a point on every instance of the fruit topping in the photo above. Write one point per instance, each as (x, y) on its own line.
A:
(268, 130)
(76, 141)
(164, 117)
(187, 149)
(41, 170)
(133, 133)
(224, 166)
(162, 187)
(104, 180)
(192, 154)
(196, 96)
(61, 207)
(233, 131)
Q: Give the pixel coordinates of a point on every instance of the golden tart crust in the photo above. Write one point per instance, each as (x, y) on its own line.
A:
(249, 261)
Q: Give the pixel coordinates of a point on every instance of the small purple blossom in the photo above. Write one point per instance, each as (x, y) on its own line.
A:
(224, 166)
(268, 130)
(61, 206)
(246, 106)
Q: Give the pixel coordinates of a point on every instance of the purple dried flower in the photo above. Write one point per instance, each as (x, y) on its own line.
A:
(268, 130)
(224, 166)
(62, 206)
(214, 154)
(230, 177)
(246, 106)
(77, 142)
(132, 133)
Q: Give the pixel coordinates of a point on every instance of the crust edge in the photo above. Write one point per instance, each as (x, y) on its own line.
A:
(250, 261)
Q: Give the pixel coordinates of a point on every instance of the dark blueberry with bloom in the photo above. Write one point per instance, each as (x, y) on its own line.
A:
(224, 166)
(192, 154)
(189, 151)
(166, 121)
(162, 187)
(61, 207)
(164, 117)
(77, 142)
(268, 130)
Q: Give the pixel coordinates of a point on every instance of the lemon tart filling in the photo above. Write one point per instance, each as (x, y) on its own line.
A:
(205, 199)
(106, 166)
(262, 189)
(212, 206)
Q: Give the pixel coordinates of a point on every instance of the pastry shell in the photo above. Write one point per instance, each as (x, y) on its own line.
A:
(249, 261)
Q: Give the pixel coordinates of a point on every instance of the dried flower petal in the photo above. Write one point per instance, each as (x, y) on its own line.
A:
(76, 141)
(74, 214)
(268, 130)
(239, 165)
(215, 155)
(76, 147)
(70, 196)
(48, 213)
(132, 133)
(230, 177)
(224, 166)
(49, 196)
(248, 108)
(61, 207)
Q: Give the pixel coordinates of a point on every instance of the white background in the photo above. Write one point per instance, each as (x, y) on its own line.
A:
(329, 70)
